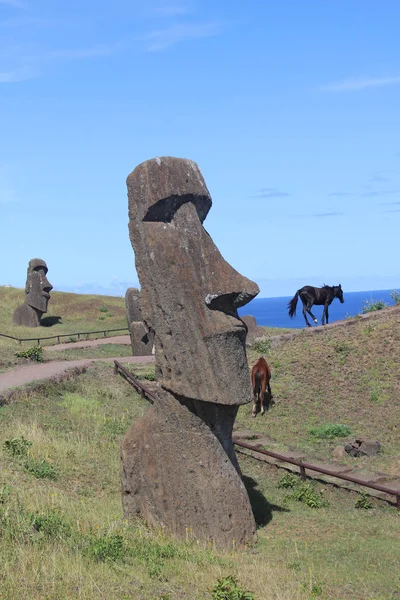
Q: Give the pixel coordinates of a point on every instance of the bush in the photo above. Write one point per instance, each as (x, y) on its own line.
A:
(17, 447)
(227, 588)
(364, 501)
(35, 353)
(288, 481)
(148, 376)
(41, 469)
(51, 525)
(304, 492)
(262, 346)
(395, 296)
(107, 547)
(371, 306)
(330, 431)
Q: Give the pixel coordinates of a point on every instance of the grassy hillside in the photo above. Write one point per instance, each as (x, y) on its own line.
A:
(347, 374)
(62, 534)
(78, 312)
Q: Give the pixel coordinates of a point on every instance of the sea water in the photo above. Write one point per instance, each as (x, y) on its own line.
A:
(273, 312)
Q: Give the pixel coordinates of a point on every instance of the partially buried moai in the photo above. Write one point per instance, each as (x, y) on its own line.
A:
(37, 295)
(179, 467)
(142, 339)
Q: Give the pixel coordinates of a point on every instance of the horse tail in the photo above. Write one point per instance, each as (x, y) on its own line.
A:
(292, 305)
(257, 382)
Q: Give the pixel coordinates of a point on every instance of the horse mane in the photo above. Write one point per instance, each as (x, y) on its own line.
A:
(327, 287)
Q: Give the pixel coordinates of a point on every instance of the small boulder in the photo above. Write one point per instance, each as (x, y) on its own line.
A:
(362, 447)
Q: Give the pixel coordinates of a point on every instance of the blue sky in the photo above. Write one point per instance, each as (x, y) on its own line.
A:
(290, 108)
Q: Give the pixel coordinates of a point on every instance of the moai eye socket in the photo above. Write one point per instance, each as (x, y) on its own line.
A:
(165, 209)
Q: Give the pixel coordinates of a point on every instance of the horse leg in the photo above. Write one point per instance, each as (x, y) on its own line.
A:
(255, 400)
(269, 389)
(311, 315)
(326, 315)
(262, 395)
(305, 316)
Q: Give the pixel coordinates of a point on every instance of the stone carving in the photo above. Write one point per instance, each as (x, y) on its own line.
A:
(253, 330)
(142, 339)
(179, 467)
(37, 290)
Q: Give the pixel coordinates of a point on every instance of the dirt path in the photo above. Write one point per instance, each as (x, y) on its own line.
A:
(124, 340)
(47, 370)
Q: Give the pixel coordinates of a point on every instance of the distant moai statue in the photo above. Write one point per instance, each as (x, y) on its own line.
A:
(179, 469)
(253, 330)
(37, 290)
(142, 339)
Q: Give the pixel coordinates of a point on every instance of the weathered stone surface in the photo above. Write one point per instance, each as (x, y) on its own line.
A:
(189, 293)
(363, 448)
(338, 452)
(132, 304)
(189, 297)
(37, 290)
(253, 330)
(176, 474)
(142, 339)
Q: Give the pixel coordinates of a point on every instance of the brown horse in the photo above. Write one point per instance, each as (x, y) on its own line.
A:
(260, 378)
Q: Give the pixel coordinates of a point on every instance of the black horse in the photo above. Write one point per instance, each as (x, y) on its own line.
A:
(310, 295)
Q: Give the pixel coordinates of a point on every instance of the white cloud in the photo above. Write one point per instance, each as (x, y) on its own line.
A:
(361, 83)
(180, 32)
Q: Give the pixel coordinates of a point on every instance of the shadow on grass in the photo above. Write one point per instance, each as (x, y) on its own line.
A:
(50, 321)
(262, 509)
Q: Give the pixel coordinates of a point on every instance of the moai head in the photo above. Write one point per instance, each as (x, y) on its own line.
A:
(37, 286)
(189, 293)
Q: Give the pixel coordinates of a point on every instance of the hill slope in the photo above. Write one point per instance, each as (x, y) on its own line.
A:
(347, 373)
(78, 313)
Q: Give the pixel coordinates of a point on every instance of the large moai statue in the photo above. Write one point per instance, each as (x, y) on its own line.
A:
(142, 339)
(178, 464)
(37, 290)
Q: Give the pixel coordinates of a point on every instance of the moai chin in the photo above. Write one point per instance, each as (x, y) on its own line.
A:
(179, 467)
(37, 295)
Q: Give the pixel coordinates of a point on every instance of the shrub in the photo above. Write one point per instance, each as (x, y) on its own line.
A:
(262, 346)
(330, 431)
(41, 469)
(395, 296)
(148, 376)
(288, 481)
(363, 501)
(227, 588)
(371, 306)
(374, 395)
(35, 353)
(103, 309)
(17, 447)
(106, 547)
(51, 525)
(304, 492)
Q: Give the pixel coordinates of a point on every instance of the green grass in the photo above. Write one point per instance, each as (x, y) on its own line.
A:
(78, 313)
(65, 537)
(100, 351)
(330, 431)
(373, 305)
(348, 374)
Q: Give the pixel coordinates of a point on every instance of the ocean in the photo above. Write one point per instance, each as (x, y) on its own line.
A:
(273, 312)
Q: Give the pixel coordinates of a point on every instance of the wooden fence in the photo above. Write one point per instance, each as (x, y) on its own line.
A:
(304, 466)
